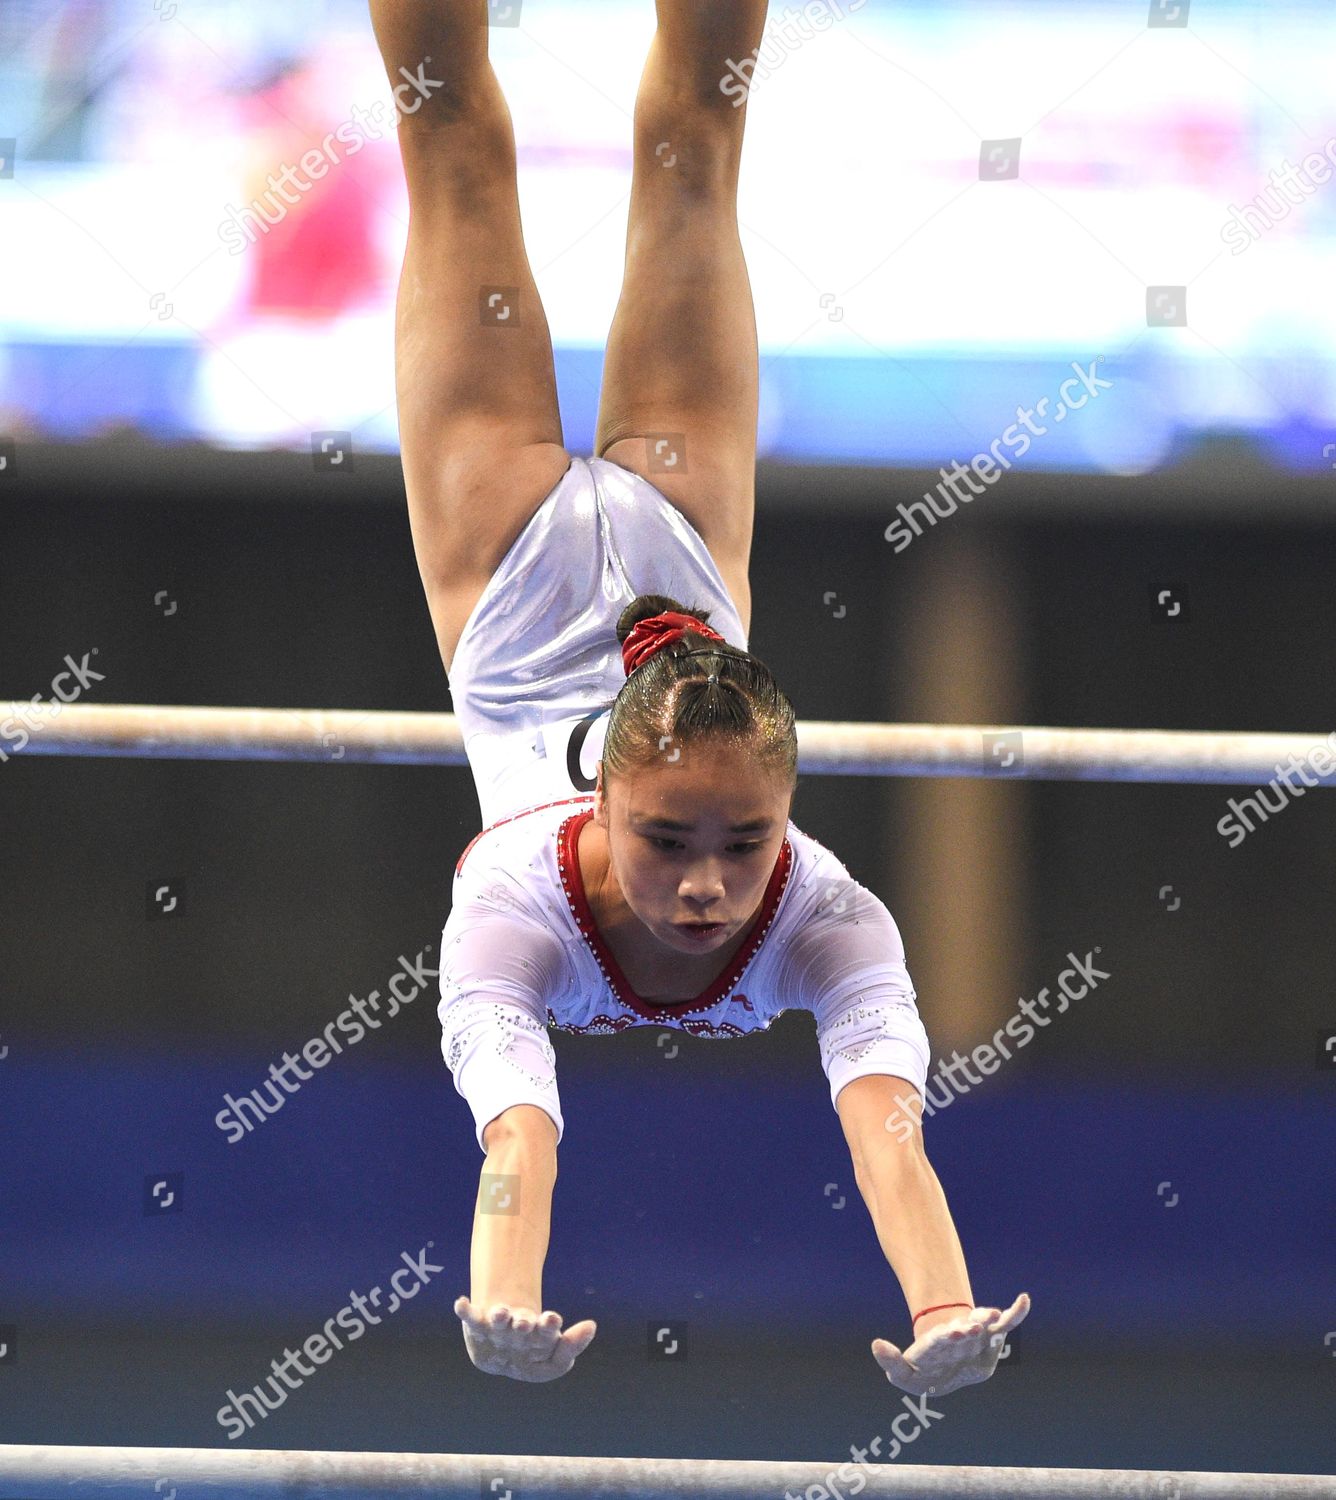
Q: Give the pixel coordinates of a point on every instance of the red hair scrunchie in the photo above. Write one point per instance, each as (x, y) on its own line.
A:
(652, 635)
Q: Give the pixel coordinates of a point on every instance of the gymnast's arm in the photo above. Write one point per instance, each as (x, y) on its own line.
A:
(874, 1049)
(509, 1248)
(875, 1053)
(496, 969)
(880, 1116)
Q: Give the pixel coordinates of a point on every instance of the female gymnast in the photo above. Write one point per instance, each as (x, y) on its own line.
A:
(635, 765)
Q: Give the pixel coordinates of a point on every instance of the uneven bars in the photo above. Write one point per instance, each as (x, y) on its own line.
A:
(45, 1472)
(843, 749)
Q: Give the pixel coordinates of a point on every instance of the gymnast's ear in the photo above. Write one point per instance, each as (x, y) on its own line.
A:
(600, 802)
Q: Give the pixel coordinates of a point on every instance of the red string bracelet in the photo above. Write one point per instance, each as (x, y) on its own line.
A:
(938, 1308)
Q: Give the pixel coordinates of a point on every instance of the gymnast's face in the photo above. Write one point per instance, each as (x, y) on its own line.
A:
(693, 840)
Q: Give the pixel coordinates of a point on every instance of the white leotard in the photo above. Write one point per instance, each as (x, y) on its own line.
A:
(537, 666)
(538, 661)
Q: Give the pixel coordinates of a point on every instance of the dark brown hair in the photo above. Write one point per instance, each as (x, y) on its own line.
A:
(669, 698)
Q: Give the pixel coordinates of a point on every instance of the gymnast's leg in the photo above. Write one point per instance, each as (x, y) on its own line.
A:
(479, 427)
(682, 354)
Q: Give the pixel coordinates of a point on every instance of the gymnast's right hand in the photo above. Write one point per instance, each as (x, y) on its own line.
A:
(517, 1341)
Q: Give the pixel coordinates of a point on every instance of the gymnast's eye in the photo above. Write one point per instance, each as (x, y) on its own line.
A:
(660, 841)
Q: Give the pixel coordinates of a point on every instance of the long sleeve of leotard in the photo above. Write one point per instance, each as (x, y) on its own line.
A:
(498, 968)
(846, 964)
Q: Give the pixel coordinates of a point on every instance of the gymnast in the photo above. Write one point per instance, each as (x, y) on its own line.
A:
(635, 765)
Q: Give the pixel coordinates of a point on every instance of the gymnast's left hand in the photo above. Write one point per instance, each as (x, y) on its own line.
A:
(960, 1351)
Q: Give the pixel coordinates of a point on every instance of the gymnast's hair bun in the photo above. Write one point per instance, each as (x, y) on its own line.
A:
(645, 606)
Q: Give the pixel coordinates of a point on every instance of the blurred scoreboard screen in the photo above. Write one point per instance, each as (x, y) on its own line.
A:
(1074, 236)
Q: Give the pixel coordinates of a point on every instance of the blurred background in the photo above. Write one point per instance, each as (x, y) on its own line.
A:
(947, 209)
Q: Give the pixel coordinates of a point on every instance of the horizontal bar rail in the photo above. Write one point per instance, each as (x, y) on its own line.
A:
(44, 1472)
(844, 749)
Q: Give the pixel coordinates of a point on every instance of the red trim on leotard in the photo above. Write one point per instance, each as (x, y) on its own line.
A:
(572, 882)
(588, 797)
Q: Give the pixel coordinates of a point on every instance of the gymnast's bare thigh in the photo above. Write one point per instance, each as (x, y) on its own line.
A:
(489, 509)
